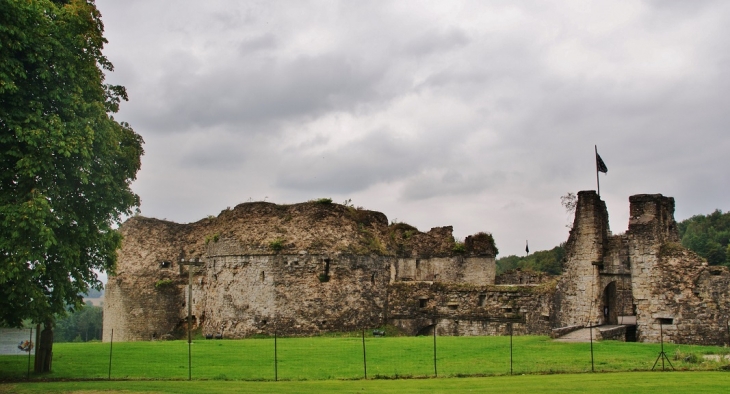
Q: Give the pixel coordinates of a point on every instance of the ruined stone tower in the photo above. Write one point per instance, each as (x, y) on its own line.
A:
(643, 279)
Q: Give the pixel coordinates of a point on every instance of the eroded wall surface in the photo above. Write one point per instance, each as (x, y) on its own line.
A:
(262, 268)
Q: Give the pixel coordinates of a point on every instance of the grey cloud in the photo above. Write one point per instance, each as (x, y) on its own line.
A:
(437, 42)
(379, 157)
(452, 182)
(261, 42)
(266, 91)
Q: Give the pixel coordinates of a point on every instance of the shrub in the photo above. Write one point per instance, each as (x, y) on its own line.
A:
(163, 283)
(215, 237)
(277, 244)
(323, 201)
(459, 247)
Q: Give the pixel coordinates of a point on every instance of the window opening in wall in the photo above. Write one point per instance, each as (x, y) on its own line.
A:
(263, 322)
(372, 279)
(165, 264)
(665, 320)
(263, 276)
(418, 263)
(453, 306)
(482, 299)
(423, 302)
(325, 275)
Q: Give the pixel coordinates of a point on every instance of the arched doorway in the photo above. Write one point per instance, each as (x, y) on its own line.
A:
(610, 310)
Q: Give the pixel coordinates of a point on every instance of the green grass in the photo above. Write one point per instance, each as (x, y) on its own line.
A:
(323, 358)
(608, 383)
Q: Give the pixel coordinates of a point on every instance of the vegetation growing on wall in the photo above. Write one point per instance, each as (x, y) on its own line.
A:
(163, 283)
(277, 244)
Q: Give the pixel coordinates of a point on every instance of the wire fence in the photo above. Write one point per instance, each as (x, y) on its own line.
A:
(367, 354)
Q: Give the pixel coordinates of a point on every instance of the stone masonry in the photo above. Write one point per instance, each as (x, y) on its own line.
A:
(643, 278)
(316, 267)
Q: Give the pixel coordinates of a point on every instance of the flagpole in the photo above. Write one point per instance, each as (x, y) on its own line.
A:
(598, 183)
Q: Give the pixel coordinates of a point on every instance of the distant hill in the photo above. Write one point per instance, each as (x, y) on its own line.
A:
(94, 294)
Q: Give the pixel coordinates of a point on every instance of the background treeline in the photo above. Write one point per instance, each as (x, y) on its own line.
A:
(706, 235)
(550, 261)
(82, 325)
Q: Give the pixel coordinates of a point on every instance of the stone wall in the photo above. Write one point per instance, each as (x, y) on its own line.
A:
(522, 277)
(310, 268)
(298, 269)
(470, 310)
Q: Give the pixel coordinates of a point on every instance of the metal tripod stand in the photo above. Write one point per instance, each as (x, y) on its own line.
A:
(662, 355)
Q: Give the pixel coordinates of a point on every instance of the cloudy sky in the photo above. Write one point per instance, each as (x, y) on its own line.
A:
(474, 114)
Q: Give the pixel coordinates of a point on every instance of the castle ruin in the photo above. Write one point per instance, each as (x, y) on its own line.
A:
(318, 267)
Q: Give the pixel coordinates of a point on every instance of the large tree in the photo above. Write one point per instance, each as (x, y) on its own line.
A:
(65, 164)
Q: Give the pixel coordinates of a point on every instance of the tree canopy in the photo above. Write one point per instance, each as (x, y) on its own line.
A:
(708, 236)
(66, 164)
(550, 261)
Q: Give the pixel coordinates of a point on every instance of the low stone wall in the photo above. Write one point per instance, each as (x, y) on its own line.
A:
(617, 333)
(415, 307)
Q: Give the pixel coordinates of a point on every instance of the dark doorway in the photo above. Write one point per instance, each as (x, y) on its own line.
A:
(610, 312)
(428, 330)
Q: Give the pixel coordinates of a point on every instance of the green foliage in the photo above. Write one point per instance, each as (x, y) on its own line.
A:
(550, 261)
(323, 201)
(708, 236)
(323, 277)
(82, 325)
(405, 230)
(163, 283)
(688, 357)
(65, 164)
(277, 244)
(215, 237)
(459, 247)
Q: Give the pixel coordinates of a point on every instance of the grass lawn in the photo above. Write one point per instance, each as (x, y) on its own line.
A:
(327, 358)
(623, 382)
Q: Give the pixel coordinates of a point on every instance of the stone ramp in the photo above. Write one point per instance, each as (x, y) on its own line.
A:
(581, 335)
(608, 331)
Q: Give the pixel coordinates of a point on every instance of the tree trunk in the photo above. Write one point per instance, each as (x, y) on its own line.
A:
(44, 351)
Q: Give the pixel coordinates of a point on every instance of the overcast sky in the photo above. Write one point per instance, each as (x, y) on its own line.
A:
(475, 114)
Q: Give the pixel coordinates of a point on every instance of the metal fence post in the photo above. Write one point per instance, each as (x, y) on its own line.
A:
(111, 343)
(364, 356)
(435, 371)
(30, 341)
(593, 368)
(276, 361)
(510, 348)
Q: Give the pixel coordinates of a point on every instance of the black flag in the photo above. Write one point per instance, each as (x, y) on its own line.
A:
(600, 165)
(527, 248)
